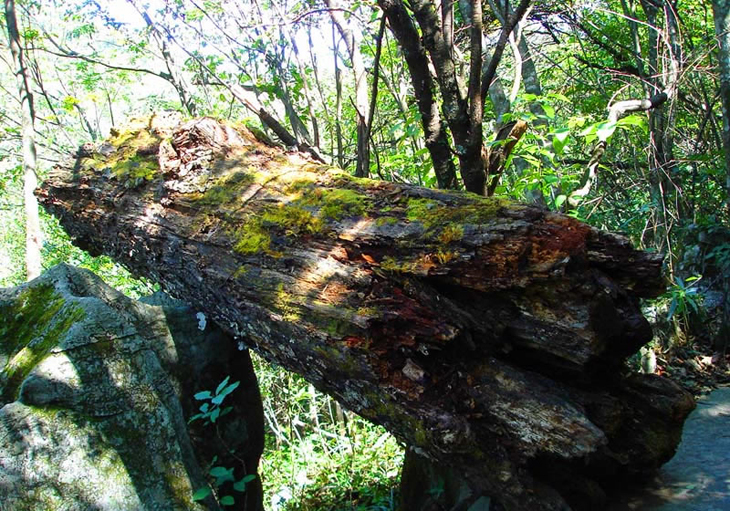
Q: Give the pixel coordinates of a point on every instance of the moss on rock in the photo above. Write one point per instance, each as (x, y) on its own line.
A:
(35, 323)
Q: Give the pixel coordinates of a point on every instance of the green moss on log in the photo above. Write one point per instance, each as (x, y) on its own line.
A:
(226, 189)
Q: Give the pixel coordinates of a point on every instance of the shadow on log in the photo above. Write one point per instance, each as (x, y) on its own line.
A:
(490, 336)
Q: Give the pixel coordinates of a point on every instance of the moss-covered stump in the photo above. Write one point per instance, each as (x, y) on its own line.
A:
(489, 335)
(96, 390)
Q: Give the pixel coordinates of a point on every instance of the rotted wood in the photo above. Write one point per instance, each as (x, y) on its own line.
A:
(489, 335)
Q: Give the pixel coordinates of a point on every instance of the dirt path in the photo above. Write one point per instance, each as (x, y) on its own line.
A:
(698, 477)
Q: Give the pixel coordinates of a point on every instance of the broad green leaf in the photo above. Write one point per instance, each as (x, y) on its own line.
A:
(560, 137)
(201, 493)
(214, 414)
(227, 501)
(605, 130)
(633, 120)
(222, 474)
(549, 110)
(203, 395)
(230, 388)
(559, 200)
(561, 134)
(576, 122)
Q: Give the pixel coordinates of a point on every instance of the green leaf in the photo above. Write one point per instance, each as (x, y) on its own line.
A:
(218, 471)
(549, 110)
(588, 130)
(561, 134)
(214, 414)
(201, 493)
(557, 95)
(605, 130)
(222, 385)
(559, 200)
(230, 388)
(227, 501)
(560, 137)
(633, 120)
(203, 395)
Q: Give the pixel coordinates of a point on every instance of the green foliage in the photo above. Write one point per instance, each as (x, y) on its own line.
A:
(211, 411)
(320, 456)
(684, 298)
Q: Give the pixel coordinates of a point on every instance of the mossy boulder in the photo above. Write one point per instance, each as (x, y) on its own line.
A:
(96, 390)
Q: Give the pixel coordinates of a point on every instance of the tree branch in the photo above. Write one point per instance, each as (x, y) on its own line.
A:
(507, 28)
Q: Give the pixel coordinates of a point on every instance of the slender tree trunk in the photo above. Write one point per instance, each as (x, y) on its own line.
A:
(314, 140)
(721, 11)
(338, 102)
(352, 41)
(173, 75)
(660, 157)
(30, 180)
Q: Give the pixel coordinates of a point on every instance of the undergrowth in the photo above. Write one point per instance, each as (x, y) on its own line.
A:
(319, 456)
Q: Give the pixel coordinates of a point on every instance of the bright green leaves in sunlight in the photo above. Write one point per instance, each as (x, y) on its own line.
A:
(560, 139)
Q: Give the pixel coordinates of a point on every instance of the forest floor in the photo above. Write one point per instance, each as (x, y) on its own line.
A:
(698, 476)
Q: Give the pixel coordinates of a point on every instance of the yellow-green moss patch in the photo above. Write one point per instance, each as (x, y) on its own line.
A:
(432, 213)
(335, 204)
(135, 169)
(254, 235)
(226, 189)
(386, 220)
(451, 233)
(133, 159)
(34, 323)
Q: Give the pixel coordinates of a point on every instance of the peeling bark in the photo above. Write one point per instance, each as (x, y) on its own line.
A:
(491, 336)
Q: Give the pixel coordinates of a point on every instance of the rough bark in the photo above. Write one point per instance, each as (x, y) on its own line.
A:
(490, 336)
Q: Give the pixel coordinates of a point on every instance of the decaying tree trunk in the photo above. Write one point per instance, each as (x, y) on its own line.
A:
(489, 335)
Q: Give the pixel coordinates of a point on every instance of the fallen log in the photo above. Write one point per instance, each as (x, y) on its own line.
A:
(489, 335)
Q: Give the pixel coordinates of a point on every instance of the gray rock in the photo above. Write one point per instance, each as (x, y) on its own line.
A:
(95, 392)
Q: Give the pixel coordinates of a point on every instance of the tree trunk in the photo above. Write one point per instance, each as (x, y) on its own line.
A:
(352, 41)
(489, 335)
(33, 236)
(424, 88)
(721, 11)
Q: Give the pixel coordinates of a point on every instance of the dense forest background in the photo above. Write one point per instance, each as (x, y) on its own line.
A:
(611, 111)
